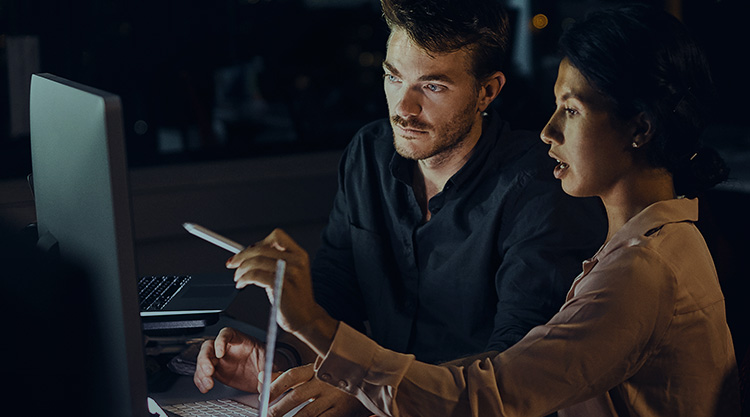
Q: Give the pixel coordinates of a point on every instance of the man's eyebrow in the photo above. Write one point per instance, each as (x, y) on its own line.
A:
(390, 68)
(427, 77)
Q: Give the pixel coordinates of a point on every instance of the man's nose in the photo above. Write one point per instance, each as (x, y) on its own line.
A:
(408, 104)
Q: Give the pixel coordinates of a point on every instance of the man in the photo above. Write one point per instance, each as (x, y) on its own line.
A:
(448, 239)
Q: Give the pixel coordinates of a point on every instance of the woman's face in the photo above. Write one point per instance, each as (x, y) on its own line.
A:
(593, 147)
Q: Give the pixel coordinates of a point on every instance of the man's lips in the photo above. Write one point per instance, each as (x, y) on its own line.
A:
(409, 131)
(410, 127)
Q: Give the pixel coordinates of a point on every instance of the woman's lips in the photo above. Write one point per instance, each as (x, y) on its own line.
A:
(560, 169)
(561, 166)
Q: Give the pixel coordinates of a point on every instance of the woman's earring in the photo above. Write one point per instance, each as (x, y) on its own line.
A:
(635, 144)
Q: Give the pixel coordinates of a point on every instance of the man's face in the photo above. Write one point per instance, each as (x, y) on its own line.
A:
(433, 99)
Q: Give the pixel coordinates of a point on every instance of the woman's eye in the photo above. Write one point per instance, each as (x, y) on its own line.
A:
(570, 111)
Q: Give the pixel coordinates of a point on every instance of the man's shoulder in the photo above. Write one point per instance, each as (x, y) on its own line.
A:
(376, 131)
(372, 141)
(521, 152)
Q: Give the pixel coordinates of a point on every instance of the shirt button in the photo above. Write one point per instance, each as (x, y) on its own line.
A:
(325, 377)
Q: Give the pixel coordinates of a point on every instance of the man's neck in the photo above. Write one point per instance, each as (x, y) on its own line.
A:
(431, 175)
(435, 171)
(434, 174)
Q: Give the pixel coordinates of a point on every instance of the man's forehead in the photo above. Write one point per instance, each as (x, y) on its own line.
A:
(403, 54)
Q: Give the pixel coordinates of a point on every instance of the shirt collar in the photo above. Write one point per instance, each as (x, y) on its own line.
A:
(651, 220)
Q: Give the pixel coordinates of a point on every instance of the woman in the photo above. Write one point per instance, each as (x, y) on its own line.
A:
(643, 330)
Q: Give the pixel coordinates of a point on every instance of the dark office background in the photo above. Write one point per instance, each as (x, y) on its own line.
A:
(205, 80)
(211, 80)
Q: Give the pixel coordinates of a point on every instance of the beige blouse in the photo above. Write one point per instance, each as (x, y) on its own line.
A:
(643, 332)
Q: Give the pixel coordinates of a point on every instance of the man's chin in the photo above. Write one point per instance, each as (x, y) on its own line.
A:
(410, 152)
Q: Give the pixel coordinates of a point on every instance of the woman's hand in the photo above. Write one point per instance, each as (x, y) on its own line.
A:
(299, 314)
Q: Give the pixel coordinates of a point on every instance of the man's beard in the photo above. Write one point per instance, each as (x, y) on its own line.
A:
(445, 139)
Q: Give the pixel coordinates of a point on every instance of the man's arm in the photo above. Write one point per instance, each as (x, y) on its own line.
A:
(333, 271)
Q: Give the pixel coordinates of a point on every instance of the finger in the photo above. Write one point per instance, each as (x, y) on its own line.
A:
(259, 261)
(226, 336)
(290, 379)
(252, 275)
(261, 270)
(270, 247)
(274, 375)
(202, 378)
(277, 245)
(305, 393)
(282, 241)
(255, 267)
(312, 407)
(247, 253)
(203, 383)
(205, 358)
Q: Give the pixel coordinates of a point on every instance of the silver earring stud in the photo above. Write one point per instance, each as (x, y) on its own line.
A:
(635, 144)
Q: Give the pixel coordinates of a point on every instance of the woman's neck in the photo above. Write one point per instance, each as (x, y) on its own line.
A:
(634, 195)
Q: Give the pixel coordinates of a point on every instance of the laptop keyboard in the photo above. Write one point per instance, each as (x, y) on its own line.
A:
(155, 291)
(226, 407)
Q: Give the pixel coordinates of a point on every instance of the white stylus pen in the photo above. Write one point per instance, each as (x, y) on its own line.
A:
(213, 237)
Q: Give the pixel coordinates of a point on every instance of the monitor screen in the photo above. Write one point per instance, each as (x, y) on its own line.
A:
(82, 203)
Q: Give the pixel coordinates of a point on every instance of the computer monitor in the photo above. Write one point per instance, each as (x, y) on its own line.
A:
(83, 213)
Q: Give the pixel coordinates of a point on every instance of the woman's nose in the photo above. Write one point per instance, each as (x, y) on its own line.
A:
(550, 134)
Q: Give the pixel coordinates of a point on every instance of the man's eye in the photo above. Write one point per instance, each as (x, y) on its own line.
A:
(435, 88)
(390, 78)
(570, 111)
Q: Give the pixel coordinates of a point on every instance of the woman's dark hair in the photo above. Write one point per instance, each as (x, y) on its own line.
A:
(441, 26)
(644, 60)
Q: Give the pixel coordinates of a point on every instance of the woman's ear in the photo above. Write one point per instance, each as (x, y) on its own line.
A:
(490, 89)
(643, 130)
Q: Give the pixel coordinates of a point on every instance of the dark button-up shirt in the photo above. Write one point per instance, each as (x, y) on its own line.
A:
(497, 257)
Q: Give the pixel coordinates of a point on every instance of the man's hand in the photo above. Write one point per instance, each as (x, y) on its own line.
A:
(327, 400)
(233, 359)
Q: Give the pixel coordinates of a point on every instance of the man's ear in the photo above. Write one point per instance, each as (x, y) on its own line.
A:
(490, 89)
(643, 129)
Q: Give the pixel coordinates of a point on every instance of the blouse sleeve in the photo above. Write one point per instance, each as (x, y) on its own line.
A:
(600, 337)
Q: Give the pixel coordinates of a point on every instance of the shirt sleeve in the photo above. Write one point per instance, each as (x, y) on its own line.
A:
(546, 234)
(601, 337)
(333, 274)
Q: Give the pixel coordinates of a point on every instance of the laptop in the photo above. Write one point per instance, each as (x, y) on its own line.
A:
(80, 187)
(83, 217)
